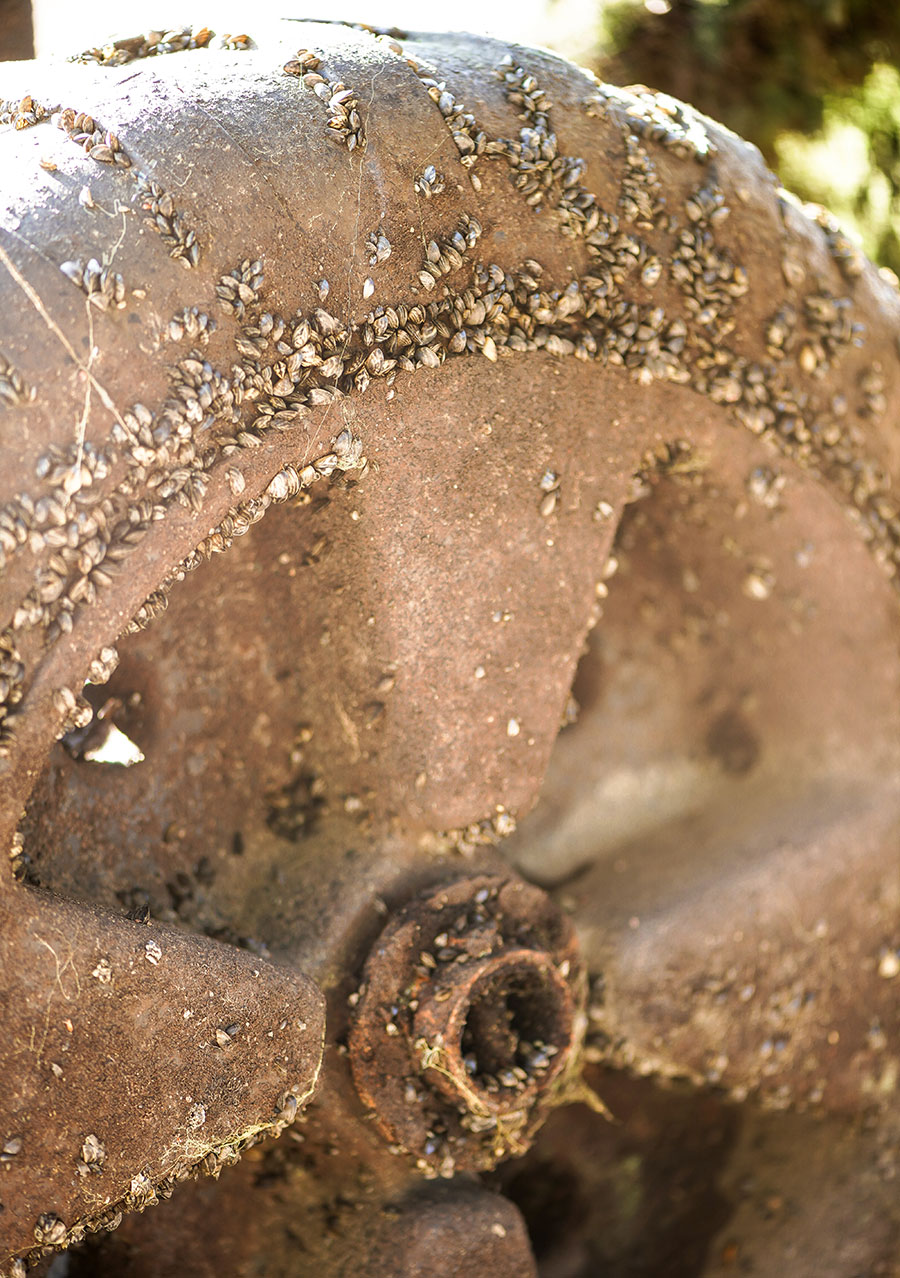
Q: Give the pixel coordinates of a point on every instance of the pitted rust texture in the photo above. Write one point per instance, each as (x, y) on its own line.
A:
(470, 1013)
(133, 1056)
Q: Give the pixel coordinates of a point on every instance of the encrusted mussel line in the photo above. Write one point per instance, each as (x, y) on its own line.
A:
(154, 44)
(288, 367)
(53, 1234)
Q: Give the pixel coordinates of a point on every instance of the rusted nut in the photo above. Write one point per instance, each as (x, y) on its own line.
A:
(469, 1015)
(503, 1025)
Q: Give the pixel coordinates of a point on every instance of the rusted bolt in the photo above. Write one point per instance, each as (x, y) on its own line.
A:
(469, 1013)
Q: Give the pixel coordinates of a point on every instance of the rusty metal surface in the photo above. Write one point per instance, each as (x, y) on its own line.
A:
(288, 1227)
(469, 1014)
(133, 1056)
(452, 1232)
(638, 434)
(731, 858)
(686, 1182)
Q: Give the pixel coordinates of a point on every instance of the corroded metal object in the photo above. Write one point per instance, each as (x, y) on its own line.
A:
(133, 1056)
(471, 1010)
(516, 401)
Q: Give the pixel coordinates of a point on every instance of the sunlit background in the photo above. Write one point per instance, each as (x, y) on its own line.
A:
(814, 83)
(567, 25)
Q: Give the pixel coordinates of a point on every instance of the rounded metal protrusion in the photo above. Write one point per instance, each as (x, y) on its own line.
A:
(447, 1231)
(470, 1012)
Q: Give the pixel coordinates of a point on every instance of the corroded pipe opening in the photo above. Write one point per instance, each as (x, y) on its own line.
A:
(506, 1025)
(468, 1014)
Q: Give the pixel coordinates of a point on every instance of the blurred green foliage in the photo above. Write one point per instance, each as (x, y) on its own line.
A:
(814, 83)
